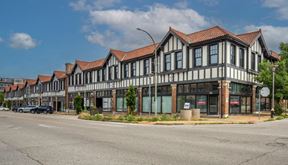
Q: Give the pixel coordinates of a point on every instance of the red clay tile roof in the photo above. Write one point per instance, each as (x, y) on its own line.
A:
(31, 82)
(7, 88)
(44, 78)
(94, 64)
(140, 52)
(181, 35)
(21, 86)
(275, 55)
(13, 87)
(249, 37)
(59, 74)
(81, 64)
(118, 54)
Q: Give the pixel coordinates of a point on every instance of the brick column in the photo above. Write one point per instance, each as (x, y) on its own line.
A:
(174, 98)
(114, 99)
(253, 106)
(224, 98)
(140, 101)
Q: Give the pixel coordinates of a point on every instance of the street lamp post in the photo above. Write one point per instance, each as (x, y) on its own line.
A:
(156, 69)
(273, 88)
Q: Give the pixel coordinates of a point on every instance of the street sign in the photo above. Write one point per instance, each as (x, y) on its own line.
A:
(265, 91)
(186, 106)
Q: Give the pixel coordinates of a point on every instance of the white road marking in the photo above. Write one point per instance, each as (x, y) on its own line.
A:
(107, 124)
(46, 126)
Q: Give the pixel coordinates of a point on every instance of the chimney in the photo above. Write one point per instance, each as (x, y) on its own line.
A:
(68, 67)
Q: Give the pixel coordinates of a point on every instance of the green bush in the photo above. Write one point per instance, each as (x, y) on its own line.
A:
(154, 119)
(130, 118)
(278, 109)
(78, 104)
(280, 118)
(98, 117)
(121, 118)
(139, 118)
(107, 118)
(131, 99)
(85, 116)
(165, 117)
(176, 117)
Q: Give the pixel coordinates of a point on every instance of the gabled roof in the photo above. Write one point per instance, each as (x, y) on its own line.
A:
(7, 88)
(136, 53)
(21, 86)
(13, 87)
(59, 74)
(94, 64)
(31, 82)
(275, 55)
(181, 35)
(249, 37)
(81, 64)
(69, 68)
(43, 78)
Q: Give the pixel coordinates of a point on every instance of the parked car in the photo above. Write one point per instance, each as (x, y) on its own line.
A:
(3, 108)
(44, 109)
(14, 108)
(29, 108)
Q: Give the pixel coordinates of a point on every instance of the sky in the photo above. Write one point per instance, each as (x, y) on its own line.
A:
(40, 36)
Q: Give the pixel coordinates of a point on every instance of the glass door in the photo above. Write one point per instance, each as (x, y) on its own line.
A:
(213, 105)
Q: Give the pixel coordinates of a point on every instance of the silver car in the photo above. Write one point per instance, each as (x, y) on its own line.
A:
(29, 108)
(3, 108)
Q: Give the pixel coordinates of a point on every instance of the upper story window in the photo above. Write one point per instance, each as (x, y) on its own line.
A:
(90, 77)
(233, 54)
(116, 72)
(153, 64)
(103, 74)
(213, 54)
(133, 69)
(241, 57)
(98, 76)
(110, 72)
(253, 56)
(167, 62)
(179, 60)
(86, 77)
(258, 62)
(126, 70)
(198, 57)
(146, 67)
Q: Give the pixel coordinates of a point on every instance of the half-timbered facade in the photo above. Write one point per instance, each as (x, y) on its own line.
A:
(213, 69)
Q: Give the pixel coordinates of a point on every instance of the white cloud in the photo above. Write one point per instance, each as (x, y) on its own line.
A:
(1, 40)
(22, 41)
(273, 35)
(122, 24)
(281, 7)
(86, 5)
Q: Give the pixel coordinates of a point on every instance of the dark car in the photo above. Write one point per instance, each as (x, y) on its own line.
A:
(14, 108)
(44, 109)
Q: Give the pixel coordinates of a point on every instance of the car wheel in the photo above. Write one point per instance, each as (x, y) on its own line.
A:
(32, 111)
(21, 111)
(45, 112)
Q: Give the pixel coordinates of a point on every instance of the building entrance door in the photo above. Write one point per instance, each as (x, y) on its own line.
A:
(213, 105)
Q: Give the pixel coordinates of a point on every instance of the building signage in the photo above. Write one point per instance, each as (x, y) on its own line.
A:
(186, 106)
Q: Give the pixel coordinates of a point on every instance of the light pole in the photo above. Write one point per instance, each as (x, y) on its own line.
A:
(155, 67)
(273, 84)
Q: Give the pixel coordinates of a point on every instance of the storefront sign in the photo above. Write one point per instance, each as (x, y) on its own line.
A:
(265, 91)
(186, 106)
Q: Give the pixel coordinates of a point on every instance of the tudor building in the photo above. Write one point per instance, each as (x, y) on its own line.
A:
(213, 69)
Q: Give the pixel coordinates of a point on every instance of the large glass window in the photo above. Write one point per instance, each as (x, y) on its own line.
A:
(198, 57)
(213, 54)
(233, 54)
(158, 104)
(119, 104)
(146, 104)
(241, 57)
(167, 62)
(234, 104)
(107, 104)
(146, 67)
(166, 104)
(179, 60)
(201, 102)
(133, 69)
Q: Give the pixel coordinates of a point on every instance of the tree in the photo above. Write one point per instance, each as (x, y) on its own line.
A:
(1, 98)
(78, 103)
(281, 75)
(131, 99)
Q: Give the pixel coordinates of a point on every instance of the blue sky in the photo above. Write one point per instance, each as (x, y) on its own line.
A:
(40, 36)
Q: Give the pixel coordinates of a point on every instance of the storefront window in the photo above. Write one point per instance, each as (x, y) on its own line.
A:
(158, 104)
(180, 103)
(119, 104)
(166, 104)
(234, 104)
(107, 104)
(201, 102)
(243, 104)
(192, 100)
(146, 104)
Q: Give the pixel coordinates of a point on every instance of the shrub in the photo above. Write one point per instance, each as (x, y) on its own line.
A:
(130, 118)
(139, 119)
(85, 116)
(78, 104)
(280, 118)
(154, 119)
(131, 99)
(98, 117)
(107, 118)
(121, 118)
(176, 117)
(278, 109)
(165, 117)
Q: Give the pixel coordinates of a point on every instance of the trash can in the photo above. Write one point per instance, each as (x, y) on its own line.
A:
(186, 114)
(195, 113)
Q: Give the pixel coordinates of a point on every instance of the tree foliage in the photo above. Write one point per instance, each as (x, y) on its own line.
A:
(281, 74)
(1, 98)
(78, 103)
(131, 99)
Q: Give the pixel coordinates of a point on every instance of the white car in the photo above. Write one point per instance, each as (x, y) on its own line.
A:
(3, 108)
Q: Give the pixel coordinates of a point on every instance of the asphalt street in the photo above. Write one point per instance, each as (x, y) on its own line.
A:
(33, 139)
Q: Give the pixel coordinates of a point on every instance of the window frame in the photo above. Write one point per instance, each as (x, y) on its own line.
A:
(133, 69)
(241, 60)
(233, 47)
(215, 54)
(166, 63)
(199, 57)
(253, 65)
(116, 72)
(178, 60)
(126, 70)
(146, 69)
